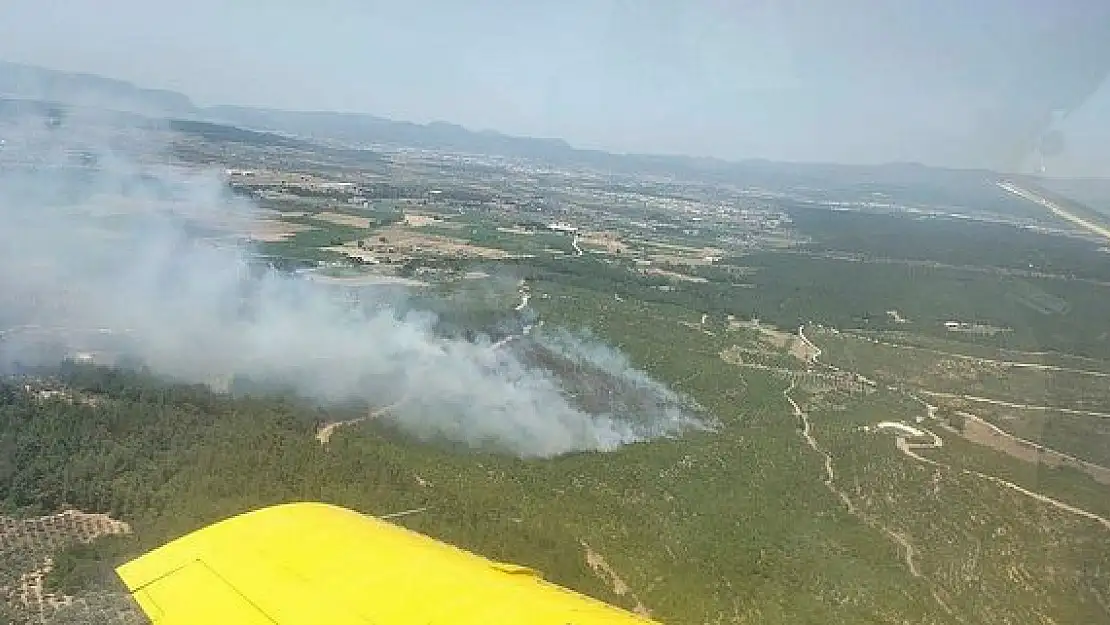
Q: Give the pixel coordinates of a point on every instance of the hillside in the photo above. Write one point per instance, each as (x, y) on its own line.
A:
(35, 83)
(813, 394)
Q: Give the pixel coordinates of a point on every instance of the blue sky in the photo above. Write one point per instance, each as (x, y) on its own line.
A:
(941, 81)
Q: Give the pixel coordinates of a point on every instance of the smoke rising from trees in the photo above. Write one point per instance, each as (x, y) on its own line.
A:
(104, 251)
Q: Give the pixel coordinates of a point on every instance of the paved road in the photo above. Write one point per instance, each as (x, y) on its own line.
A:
(1056, 209)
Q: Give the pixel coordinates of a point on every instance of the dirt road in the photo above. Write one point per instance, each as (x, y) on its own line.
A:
(911, 448)
(807, 436)
(1043, 498)
(1008, 404)
(983, 432)
(908, 448)
(525, 295)
(986, 361)
(324, 433)
(908, 551)
(815, 352)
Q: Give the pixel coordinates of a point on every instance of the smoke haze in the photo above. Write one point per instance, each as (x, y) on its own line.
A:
(942, 82)
(100, 253)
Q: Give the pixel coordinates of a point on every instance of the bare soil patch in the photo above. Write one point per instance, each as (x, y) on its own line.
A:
(365, 279)
(340, 219)
(606, 573)
(778, 339)
(394, 241)
(674, 275)
(274, 230)
(986, 434)
(607, 242)
(419, 221)
(515, 230)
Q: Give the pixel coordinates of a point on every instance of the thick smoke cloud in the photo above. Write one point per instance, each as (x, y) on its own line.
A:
(99, 251)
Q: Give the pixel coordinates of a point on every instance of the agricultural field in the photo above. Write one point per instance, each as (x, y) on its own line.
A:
(41, 557)
(788, 517)
(857, 429)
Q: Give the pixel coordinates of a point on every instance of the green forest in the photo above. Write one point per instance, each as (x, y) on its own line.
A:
(731, 522)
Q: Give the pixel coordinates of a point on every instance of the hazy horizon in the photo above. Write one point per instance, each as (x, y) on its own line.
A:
(937, 83)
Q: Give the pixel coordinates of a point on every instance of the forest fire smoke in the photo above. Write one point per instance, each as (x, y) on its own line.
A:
(101, 246)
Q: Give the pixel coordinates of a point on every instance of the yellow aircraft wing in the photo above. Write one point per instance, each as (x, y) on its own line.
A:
(309, 563)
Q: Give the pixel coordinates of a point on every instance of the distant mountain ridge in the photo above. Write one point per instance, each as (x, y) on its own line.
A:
(365, 128)
(27, 82)
(30, 83)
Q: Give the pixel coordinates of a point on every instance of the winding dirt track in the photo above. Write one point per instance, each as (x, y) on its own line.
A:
(816, 351)
(1025, 449)
(1044, 499)
(807, 436)
(525, 297)
(910, 449)
(1015, 364)
(324, 433)
(908, 550)
(1008, 404)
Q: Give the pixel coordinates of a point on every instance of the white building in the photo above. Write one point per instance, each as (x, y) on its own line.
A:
(562, 227)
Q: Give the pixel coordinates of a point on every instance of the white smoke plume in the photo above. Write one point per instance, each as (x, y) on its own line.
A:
(95, 254)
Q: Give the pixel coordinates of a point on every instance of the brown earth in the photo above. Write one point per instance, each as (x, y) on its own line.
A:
(340, 219)
(987, 434)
